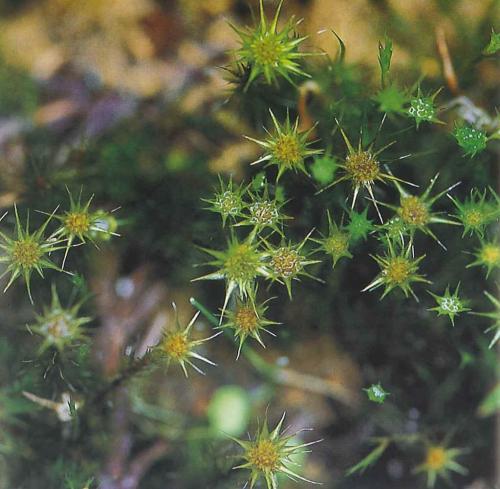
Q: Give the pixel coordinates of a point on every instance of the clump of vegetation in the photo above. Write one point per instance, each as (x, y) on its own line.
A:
(337, 206)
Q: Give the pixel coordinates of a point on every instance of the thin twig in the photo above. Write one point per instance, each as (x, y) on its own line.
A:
(448, 69)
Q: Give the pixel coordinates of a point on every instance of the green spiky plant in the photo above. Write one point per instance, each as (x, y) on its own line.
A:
(88, 403)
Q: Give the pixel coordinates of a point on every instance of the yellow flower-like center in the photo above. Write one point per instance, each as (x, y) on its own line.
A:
(337, 244)
(241, 263)
(362, 167)
(264, 456)
(413, 211)
(26, 253)
(287, 150)
(266, 50)
(398, 270)
(58, 326)
(77, 222)
(246, 319)
(490, 254)
(228, 203)
(264, 212)
(473, 218)
(286, 262)
(436, 458)
(176, 346)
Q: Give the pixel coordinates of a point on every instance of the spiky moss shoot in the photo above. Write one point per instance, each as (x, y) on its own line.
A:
(476, 211)
(449, 304)
(228, 201)
(435, 458)
(495, 316)
(177, 346)
(287, 262)
(287, 151)
(270, 454)
(286, 147)
(264, 456)
(79, 223)
(470, 139)
(337, 245)
(391, 100)
(487, 256)
(394, 229)
(473, 218)
(439, 461)
(413, 211)
(268, 52)
(59, 326)
(422, 108)
(416, 212)
(359, 226)
(247, 319)
(376, 393)
(398, 269)
(263, 212)
(362, 169)
(27, 252)
(239, 265)
(336, 242)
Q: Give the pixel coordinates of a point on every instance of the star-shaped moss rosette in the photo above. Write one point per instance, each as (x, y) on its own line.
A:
(394, 229)
(476, 212)
(335, 243)
(398, 269)
(270, 453)
(422, 108)
(471, 139)
(268, 52)
(416, 213)
(362, 169)
(27, 252)
(487, 256)
(323, 168)
(60, 327)
(80, 223)
(238, 265)
(286, 147)
(176, 345)
(263, 212)
(495, 315)
(227, 201)
(449, 304)
(287, 262)
(247, 320)
(391, 100)
(376, 393)
(359, 226)
(439, 461)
